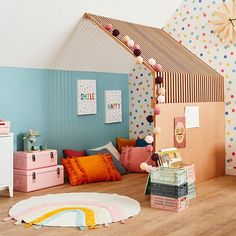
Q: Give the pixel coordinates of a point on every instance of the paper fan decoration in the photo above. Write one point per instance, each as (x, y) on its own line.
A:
(225, 22)
(74, 210)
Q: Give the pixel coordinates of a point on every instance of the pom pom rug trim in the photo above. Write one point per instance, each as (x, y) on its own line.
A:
(74, 210)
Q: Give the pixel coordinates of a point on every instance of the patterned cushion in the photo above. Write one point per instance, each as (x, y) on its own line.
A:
(132, 157)
(89, 169)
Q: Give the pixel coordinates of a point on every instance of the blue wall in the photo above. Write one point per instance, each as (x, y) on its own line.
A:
(45, 100)
(23, 99)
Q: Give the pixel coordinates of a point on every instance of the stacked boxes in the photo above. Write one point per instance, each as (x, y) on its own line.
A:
(190, 180)
(37, 170)
(169, 189)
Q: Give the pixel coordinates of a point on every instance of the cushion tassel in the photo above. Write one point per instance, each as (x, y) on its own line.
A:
(18, 222)
(7, 219)
(37, 226)
(28, 225)
(81, 228)
(92, 227)
(106, 225)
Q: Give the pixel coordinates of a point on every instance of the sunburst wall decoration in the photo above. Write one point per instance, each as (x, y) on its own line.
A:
(225, 22)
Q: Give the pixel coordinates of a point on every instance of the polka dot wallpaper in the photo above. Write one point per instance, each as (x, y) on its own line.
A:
(190, 26)
(140, 93)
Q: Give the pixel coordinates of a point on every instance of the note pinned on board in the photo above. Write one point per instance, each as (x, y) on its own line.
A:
(192, 117)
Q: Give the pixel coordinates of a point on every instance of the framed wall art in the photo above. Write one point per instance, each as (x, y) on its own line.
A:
(113, 106)
(86, 97)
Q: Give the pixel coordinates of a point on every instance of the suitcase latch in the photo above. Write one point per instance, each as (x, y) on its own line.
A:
(58, 172)
(34, 177)
(52, 156)
(33, 158)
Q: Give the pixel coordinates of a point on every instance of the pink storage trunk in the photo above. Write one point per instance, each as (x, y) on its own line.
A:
(4, 127)
(169, 204)
(35, 160)
(31, 180)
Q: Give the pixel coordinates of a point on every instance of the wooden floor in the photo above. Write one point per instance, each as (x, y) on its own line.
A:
(213, 212)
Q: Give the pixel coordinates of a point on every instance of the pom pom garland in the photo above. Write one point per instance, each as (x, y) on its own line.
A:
(149, 118)
(108, 27)
(115, 32)
(157, 110)
(137, 52)
(126, 38)
(151, 61)
(150, 168)
(157, 67)
(154, 156)
(161, 91)
(136, 46)
(157, 130)
(149, 139)
(139, 60)
(158, 80)
(144, 166)
(161, 99)
(149, 148)
(130, 43)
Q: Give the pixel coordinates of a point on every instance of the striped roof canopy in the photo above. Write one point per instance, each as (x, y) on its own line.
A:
(156, 43)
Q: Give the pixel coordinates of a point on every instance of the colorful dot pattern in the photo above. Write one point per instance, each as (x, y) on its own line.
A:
(189, 25)
(140, 93)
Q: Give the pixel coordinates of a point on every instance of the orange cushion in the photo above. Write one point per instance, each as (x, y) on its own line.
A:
(89, 169)
(123, 142)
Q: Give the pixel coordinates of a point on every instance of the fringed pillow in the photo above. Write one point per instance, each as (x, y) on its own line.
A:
(90, 169)
(132, 157)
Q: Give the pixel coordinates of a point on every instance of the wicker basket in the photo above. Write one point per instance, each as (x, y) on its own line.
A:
(172, 176)
(191, 190)
(170, 204)
(172, 191)
(190, 172)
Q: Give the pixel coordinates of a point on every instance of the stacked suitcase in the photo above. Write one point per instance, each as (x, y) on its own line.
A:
(169, 189)
(37, 170)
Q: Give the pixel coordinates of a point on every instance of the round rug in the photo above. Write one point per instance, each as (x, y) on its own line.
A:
(75, 209)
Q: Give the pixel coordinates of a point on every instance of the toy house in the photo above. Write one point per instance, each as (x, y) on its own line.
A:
(188, 81)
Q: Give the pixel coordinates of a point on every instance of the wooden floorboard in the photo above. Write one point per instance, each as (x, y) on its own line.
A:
(212, 213)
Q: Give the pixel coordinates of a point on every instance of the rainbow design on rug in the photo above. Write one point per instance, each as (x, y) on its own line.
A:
(74, 210)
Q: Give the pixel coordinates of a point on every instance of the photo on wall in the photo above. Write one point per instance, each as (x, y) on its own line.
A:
(113, 106)
(86, 97)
